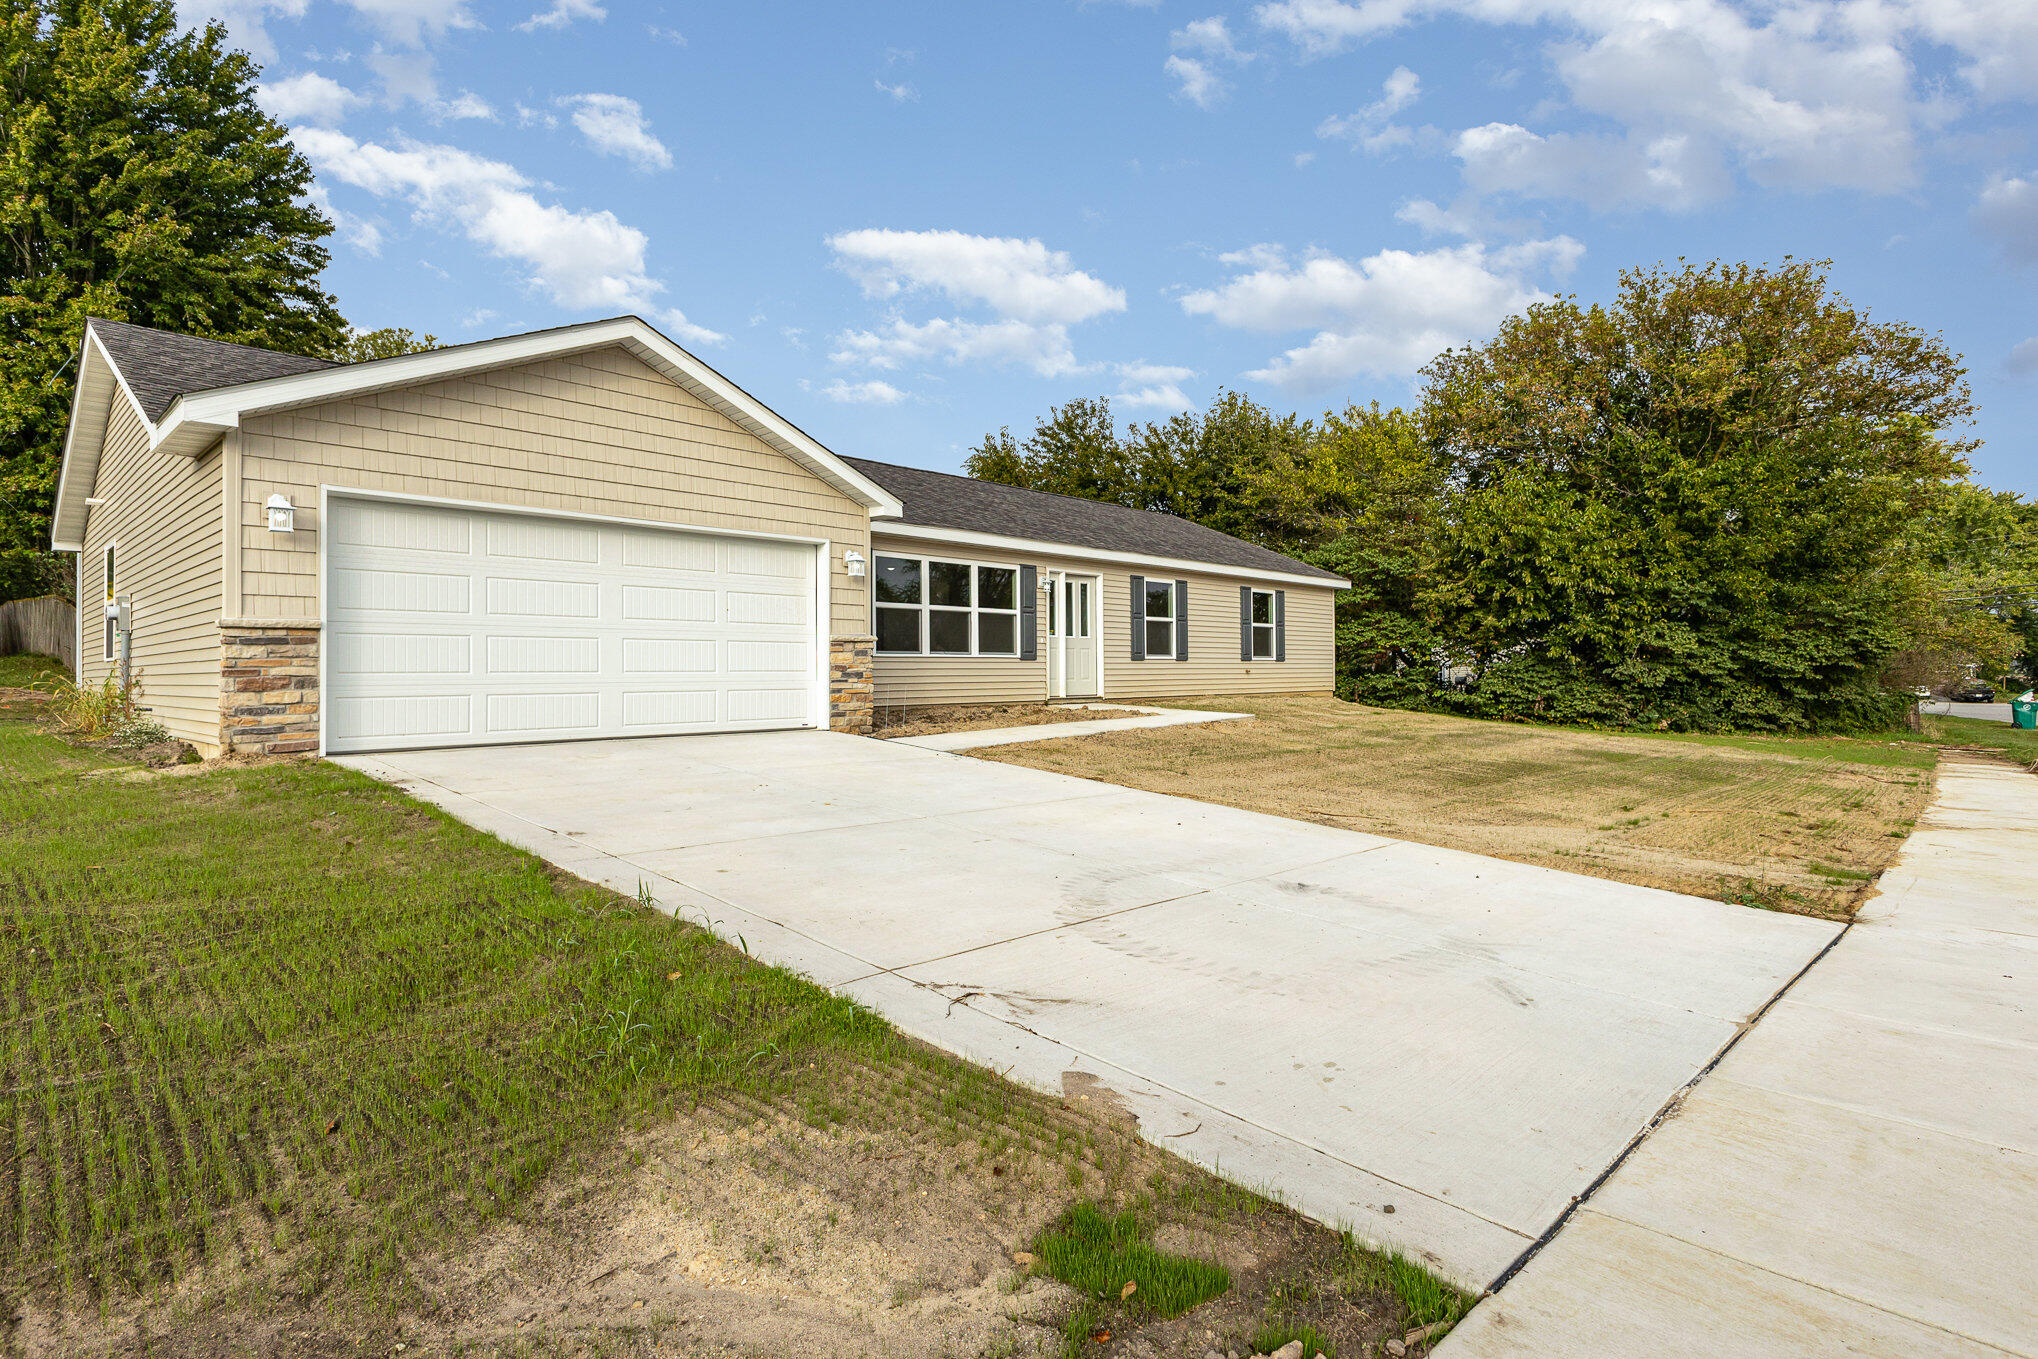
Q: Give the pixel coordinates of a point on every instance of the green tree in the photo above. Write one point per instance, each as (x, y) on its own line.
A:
(1375, 482)
(139, 181)
(1691, 507)
(362, 346)
(1975, 554)
(1075, 450)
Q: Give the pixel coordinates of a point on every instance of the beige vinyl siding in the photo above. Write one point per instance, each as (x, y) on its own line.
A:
(162, 512)
(595, 433)
(1213, 666)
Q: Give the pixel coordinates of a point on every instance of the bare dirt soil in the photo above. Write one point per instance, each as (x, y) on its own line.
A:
(930, 721)
(754, 1228)
(1798, 825)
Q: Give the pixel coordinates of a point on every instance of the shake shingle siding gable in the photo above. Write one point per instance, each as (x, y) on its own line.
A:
(159, 367)
(943, 500)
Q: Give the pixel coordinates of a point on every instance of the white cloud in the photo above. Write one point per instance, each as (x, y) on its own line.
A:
(1195, 81)
(2008, 211)
(564, 12)
(2023, 358)
(675, 321)
(364, 234)
(1211, 37)
(407, 77)
(1998, 38)
(1042, 347)
(307, 98)
(1320, 27)
(412, 22)
(1372, 127)
(1022, 279)
(1600, 169)
(530, 117)
(580, 259)
(246, 20)
(1431, 220)
(1803, 94)
(871, 393)
(1152, 385)
(1385, 315)
(413, 78)
(900, 93)
(671, 35)
(465, 104)
(615, 126)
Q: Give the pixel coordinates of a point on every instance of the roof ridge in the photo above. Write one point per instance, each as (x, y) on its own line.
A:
(207, 339)
(1000, 508)
(1065, 495)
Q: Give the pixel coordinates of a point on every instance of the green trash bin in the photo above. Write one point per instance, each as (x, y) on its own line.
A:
(2024, 713)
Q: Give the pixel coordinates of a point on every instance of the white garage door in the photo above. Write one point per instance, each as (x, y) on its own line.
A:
(462, 627)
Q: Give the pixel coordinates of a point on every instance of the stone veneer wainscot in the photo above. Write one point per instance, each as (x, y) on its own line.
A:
(268, 691)
(849, 683)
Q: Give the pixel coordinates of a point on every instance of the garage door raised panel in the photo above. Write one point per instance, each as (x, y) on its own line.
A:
(454, 626)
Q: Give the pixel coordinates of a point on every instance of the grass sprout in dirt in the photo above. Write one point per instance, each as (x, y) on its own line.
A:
(930, 719)
(1113, 1256)
(290, 1063)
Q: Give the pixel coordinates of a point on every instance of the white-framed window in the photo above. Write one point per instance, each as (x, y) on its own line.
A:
(111, 640)
(1263, 625)
(1160, 620)
(927, 606)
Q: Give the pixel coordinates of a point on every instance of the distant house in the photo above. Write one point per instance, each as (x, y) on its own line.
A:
(587, 532)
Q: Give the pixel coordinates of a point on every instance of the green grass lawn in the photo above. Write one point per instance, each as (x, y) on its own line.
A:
(1998, 738)
(21, 672)
(289, 1010)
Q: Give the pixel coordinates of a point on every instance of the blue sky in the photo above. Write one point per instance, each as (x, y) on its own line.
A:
(904, 226)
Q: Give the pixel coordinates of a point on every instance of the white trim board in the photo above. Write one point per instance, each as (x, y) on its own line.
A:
(1041, 548)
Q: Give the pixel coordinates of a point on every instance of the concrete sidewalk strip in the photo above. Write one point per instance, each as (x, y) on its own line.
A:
(1606, 1289)
(1925, 1225)
(1435, 1049)
(1860, 1173)
(1139, 719)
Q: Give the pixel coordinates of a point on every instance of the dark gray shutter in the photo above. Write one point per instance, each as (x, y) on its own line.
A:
(1029, 609)
(1181, 620)
(1280, 625)
(1245, 622)
(1139, 618)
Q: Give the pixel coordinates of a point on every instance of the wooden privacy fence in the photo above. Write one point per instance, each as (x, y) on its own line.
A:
(44, 626)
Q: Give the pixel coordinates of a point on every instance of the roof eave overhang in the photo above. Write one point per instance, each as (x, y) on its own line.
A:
(1002, 543)
(194, 422)
(99, 385)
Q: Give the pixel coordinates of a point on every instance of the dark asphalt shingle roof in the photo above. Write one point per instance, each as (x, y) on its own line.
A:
(945, 500)
(160, 365)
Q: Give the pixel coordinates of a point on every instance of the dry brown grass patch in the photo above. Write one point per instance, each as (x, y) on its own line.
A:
(1804, 827)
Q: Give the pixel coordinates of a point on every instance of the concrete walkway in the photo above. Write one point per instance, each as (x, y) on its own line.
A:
(1136, 720)
(1437, 1049)
(1859, 1176)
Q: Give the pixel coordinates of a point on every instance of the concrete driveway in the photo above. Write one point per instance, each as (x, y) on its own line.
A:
(1436, 1049)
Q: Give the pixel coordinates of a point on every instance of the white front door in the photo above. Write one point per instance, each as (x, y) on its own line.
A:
(449, 626)
(1074, 627)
